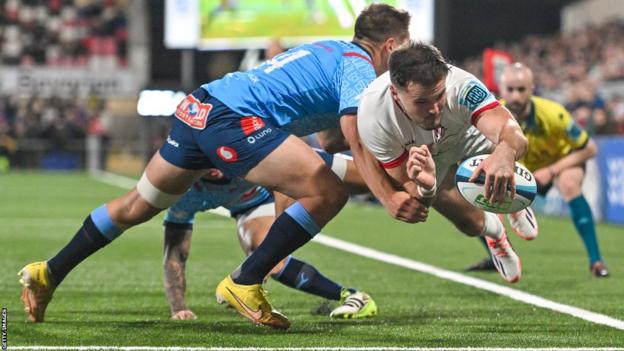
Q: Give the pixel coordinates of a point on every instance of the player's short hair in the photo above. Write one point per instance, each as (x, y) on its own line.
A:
(378, 22)
(417, 63)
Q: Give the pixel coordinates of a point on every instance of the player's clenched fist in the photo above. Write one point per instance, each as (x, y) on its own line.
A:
(404, 207)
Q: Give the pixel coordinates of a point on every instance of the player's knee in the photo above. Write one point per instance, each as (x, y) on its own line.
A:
(329, 189)
(569, 187)
(336, 196)
(154, 196)
(131, 210)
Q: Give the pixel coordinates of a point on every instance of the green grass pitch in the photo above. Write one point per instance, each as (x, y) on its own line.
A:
(116, 297)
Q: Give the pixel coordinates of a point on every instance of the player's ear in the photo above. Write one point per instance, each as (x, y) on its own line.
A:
(393, 91)
(390, 45)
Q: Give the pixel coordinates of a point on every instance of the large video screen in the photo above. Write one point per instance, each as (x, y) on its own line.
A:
(242, 24)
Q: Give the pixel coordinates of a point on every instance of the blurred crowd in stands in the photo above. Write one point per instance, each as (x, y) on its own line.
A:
(90, 33)
(53, 124)
(57, 33)
(574, 69)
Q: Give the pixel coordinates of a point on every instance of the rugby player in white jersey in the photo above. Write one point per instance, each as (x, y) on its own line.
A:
(418, 121)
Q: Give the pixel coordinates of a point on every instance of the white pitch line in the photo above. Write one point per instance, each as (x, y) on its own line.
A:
(180, 348)
(113, 179)
(514, 294)
(467, 280)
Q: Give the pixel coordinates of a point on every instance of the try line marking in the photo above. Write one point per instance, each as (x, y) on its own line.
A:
(363, 251)
(179, 348)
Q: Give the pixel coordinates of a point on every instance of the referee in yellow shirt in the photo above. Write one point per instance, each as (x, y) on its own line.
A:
(558, 150)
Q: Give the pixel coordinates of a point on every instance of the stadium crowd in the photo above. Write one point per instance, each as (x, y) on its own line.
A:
(571, 67)
(90, 33)
(52, 124)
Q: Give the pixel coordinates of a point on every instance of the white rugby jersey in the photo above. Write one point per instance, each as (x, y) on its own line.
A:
(387, 132)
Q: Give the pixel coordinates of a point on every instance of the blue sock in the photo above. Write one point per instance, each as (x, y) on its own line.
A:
(290, 231)
(584, 223)
(302, 276)
(97, 231)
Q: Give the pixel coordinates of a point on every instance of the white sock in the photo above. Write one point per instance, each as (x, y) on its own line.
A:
(492, 227)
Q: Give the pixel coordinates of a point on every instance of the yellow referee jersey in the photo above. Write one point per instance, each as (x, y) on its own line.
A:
(552, 133)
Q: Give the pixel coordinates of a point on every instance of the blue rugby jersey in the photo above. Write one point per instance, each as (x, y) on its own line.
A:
(303, 90)
(236, 195)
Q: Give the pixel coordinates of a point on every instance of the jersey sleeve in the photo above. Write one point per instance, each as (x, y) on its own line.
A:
(377, 138)
(566, 127)
(183, 211)
(354, 74)
(475, 98)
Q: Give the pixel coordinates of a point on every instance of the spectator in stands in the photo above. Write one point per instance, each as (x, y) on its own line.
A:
(63, 32)
(577, 61)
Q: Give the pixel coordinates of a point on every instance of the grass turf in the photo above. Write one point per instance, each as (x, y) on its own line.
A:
(116, 297)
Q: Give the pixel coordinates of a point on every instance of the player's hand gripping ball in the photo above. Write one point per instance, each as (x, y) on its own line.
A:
(474, 192)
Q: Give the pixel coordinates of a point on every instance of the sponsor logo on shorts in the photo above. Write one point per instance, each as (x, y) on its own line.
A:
(227, 154)
(193, 113)
(172, 142)
(252, 139)
(251, 124)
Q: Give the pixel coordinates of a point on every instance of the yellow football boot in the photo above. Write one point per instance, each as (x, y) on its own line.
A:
(251, 302)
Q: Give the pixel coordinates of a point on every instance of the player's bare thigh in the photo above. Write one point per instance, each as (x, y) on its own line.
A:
(131, 208)
(467, 218)
(294, 169)
(570, 182)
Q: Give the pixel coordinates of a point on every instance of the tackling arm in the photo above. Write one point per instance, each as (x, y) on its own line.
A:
(176, 250)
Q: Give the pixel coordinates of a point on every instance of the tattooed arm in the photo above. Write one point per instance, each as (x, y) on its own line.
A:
(176, 250)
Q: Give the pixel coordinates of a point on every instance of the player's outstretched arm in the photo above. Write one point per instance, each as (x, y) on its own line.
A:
(499, 126)
(400, 204)
(176, 251)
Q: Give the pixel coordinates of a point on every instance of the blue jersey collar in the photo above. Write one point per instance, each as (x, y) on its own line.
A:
(363, 49)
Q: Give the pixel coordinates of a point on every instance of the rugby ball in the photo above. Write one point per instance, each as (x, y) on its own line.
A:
(474, 192)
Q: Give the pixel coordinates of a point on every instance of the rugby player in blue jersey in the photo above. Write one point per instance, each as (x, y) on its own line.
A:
(246, 125)
(253, 208)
